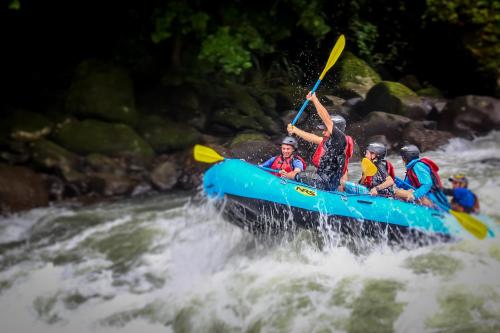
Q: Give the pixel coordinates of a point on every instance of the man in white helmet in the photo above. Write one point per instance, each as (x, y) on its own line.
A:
(334, 147)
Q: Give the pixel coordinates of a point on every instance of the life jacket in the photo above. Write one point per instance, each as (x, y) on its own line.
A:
(369, 180)
(436, 180)
(320, 151)
(280, 163)
(349, 150)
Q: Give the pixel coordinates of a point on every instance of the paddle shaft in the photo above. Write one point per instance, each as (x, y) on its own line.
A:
(306, 102)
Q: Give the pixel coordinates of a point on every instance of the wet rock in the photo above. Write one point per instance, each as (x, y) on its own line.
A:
(253, 148)
(393, 97)
(164, 176)
(93, 136)
(27, 126)
(356, 77)
(471, 115)
(165, 135)
(110, 184)
(52, 157)
(378, 123)
(104, 91)
(429, 91)
(426, 139)
(21, 189)
(239, 110)
(411, 81)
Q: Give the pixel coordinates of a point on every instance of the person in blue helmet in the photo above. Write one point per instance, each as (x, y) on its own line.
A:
(422, 182)
(463, 199)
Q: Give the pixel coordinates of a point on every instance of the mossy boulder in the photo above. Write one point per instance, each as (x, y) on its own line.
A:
(356, 77)
(391, 97)
(94, 136)
(25, 126)
(430, 91)
(248, 137)
(232, 118)
(49, 155)
(240, 110)
(165, 135)
(102, 91)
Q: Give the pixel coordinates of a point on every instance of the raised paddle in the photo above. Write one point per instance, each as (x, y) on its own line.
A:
(332, 59)
(467, 221)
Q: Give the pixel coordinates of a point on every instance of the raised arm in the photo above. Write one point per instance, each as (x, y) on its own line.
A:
(322, 112)
(309, 137)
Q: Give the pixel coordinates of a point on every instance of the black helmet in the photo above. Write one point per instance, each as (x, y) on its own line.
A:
(338, 120)
(290, 140)
(377, 148)
(410, 152)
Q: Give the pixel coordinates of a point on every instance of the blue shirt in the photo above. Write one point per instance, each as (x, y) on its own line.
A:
(464, 197)
(296, 163)
(424, 176)
(423, 173)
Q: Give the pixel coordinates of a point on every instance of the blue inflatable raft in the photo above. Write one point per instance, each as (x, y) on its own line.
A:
(259, 201)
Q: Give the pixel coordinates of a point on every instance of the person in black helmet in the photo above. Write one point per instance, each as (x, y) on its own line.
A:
(334, 147)
(288, 164)
(422, 182)
(381, 183)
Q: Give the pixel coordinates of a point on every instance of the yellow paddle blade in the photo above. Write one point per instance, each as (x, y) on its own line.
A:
(334, 55)
(471, 224)
(206, 154)
(367, 167)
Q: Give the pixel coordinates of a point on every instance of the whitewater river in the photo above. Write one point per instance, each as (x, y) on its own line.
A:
(172, 264)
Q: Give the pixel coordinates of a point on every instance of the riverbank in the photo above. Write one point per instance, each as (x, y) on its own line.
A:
(103, 139)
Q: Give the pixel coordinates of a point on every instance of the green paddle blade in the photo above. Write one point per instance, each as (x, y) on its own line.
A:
(471, 224)
(206, 154)
(334, 55)
(368, 168)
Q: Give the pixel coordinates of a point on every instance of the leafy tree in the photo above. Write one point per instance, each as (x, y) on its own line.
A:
(480, 22)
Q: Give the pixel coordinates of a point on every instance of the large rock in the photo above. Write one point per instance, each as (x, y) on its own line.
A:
(21, 189)
(50, 156)
(93, 136)
(393, 97)
(164, 176)
(102, 91)
(165, 135)
(24, 125)
(471, 115)
(391, 126)
(239, 110)
(426, 139)
(356, 76)
(253, 148)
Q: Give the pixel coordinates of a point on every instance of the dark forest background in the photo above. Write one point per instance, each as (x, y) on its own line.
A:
(104, 98)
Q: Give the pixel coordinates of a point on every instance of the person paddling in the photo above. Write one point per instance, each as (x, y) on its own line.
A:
(334, 147)
(288, 164)
(381, 183)
(422, 174)
(463, 199)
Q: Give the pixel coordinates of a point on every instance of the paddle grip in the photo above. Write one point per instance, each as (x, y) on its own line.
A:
(305, 103)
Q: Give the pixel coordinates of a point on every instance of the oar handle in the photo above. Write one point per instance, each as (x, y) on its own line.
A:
(403, 182)
(306, 102)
